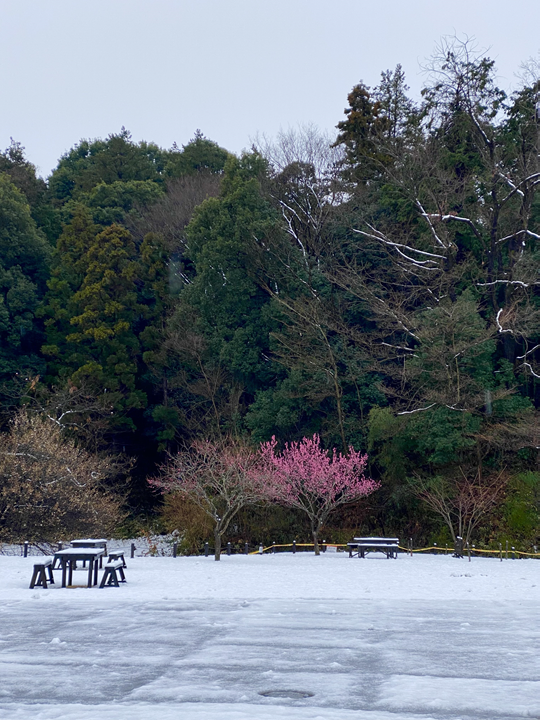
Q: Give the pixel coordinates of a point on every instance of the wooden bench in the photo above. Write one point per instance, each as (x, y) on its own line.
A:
(117, 555)
(110, 576)
(363, 545)
(41, 569)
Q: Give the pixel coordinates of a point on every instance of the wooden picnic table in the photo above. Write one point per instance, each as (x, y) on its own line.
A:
(68, 561)
(363, 545)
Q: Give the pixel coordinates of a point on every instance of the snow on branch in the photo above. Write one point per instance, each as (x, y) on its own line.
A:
(499, 326)
(431, 226)
(449, 217)
(522, 357)
(410, 412)
(507, 282)
(529, 367)
(530, 233)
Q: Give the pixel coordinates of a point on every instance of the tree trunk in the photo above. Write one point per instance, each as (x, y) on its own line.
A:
(315, 534)
(217, 545)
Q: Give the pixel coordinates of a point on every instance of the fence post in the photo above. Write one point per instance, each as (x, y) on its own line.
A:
(468, 552)
(446, 549)
(25, 549)
(435, 548)
(229, 548)
(174, 548)
(246, 549)
(513, 553)
(534, 548)
(132, 550)
(261, 549)
(294, 546)
(507, 549)
(60, 545)
(206, 549)
(500, 550)
(410, 546)
(273, 547)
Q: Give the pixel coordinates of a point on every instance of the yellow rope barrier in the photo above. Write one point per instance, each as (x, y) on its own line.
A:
(407, 550)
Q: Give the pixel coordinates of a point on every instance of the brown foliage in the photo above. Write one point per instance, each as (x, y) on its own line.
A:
(194, 525)
(51, 489)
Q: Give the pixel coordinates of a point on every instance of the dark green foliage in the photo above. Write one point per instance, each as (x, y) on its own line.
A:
(24, 261)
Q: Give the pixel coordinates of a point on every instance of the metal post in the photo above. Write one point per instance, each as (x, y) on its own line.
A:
(246, 548)
(25, 549)
(132, 550)
(468, 552)
(534, 548)
(174, 548)
(435, 548)
(446, 549)
(206, 549)
(229, 548)
(500, 550)
(410, 546)
(60, 545)
(507, 549)
(513, 553)
(261, 549)
(294, 547)
(273, 547)
(324, 545)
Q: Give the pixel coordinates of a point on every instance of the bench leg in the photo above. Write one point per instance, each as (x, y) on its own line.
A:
(51, 576)
(109, 578)
(122, 576)
(39, 578)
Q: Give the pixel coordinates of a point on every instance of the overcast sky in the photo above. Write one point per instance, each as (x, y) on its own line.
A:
(72, 69)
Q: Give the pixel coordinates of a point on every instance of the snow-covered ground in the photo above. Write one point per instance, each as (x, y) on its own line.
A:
(191, 639)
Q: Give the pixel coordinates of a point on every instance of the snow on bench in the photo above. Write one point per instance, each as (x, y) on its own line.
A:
(112, 570)
(39, 576)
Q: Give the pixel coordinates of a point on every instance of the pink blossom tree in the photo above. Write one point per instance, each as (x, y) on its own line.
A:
(314, 480)
(220, 478)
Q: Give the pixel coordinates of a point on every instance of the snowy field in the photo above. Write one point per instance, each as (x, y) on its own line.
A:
(191, 639)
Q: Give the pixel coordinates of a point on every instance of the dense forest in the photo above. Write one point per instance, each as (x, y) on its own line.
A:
(379, 288)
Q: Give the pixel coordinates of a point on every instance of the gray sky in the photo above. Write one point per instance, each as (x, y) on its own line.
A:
(72, 69)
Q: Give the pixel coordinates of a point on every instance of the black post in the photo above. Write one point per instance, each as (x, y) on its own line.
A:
(294, 547)
(410, 546)
(513, 553)
(60, 545)
(174, 548)
(446, 549)
(246, 549)
(132, 550)
(507, 549)
(206, 549)
(273, 547)
(500, 550)
(229, 548)
(434, 548)
(324, 545)
(25, 549)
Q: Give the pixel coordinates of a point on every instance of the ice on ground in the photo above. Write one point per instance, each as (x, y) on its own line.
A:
(435, 637)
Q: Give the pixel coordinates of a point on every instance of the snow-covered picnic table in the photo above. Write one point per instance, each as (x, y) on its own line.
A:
(363, 545)
(68, 561)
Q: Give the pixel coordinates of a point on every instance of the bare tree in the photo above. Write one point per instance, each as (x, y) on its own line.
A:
(221, 478)
(463, 500)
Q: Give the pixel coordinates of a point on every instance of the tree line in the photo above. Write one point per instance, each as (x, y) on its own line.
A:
(378, 289)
